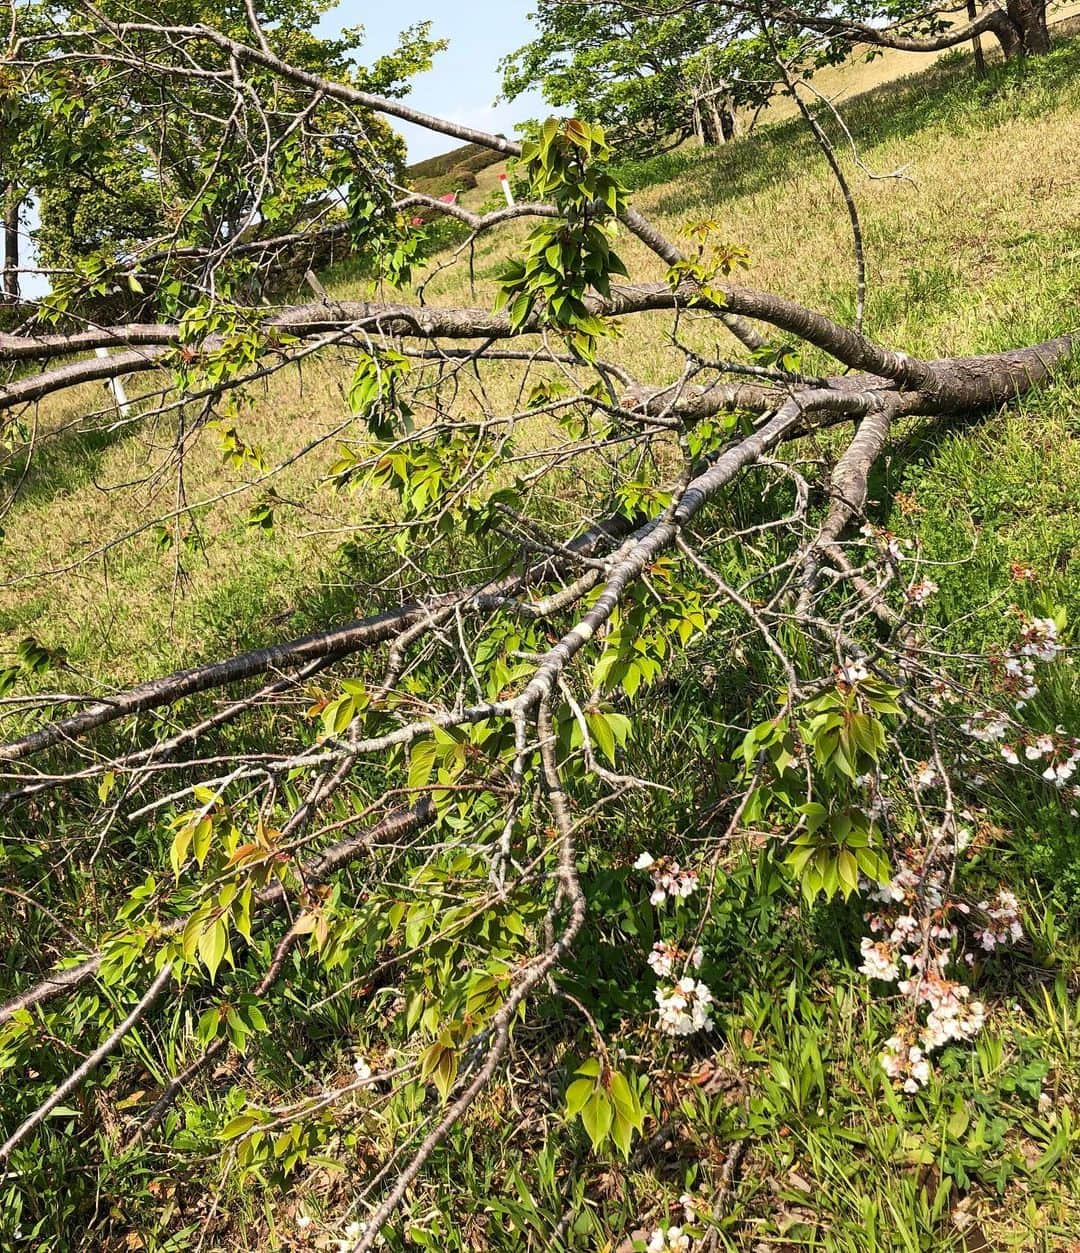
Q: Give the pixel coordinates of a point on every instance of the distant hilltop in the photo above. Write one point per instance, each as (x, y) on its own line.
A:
(451, 171)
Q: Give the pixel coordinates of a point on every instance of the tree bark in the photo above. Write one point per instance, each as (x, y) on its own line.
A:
(12, 204)
(1033, 33)
(732, 113)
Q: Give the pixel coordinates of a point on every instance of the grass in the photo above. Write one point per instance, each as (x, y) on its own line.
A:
(859, 74)
(976, 248)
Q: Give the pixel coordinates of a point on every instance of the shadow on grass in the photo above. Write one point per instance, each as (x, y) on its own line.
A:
(60, 462)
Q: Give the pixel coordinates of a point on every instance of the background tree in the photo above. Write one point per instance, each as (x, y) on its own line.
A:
(654, 77)
(102, 184)
(12, 202)
(1020, 26)
(641, 65)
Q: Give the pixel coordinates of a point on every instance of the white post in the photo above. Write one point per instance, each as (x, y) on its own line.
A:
(505, 183)
(117, 388)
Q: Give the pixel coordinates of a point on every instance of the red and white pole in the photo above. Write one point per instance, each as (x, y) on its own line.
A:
(504, 182)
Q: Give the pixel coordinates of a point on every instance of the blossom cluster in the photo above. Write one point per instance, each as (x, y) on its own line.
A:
(915, 937)
(685, 1007)
(673, 1238)
(665, 958)
(891, 545)
(920, 931)
(352, 1236)
(906, 1063)
(1061, 755)
(1003, 924)
(927, 775)
(879, 961)
(919, 593)
(669, 878)
(987, 728)
(1039, 639)
(852, 671)
(1016, 678)
(952, 1016)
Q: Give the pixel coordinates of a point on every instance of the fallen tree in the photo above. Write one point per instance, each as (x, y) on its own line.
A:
(560, 553)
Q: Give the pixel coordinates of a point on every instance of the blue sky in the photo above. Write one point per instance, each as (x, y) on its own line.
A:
(465, 81)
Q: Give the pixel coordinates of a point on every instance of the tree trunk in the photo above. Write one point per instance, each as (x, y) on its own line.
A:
(12, 204)
(1023, 30)
(733, 117)
(720, 136)
(728, 118)
(976, 43)
(714, 119)
(1029, 17)
(706, 116)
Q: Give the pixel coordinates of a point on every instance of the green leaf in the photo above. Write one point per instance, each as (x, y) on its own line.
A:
(830, 874)
(602, 734)
(212, 945)
(577, 1094)
(958, 1121)
(254, 1016)
(178, 850)
(421, 763)
(238, 1125)
(105, 786)
(203, 837)
(208, 1025)
(519, 310)
(596, 1116)
(241, 912)
(622, 1133)
(623, 1095)
(337, 715)
(815, 815)
(439, 1064)
(848, 871)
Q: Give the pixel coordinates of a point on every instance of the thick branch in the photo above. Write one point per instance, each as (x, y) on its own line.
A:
(951, 377)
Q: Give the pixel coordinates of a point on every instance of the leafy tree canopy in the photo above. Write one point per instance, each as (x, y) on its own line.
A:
(101, 183)
(639, 68)
(644, 67)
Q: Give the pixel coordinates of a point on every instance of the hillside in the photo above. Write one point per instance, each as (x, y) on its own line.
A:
(859, 74)
(456, 170)
(969, 195)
